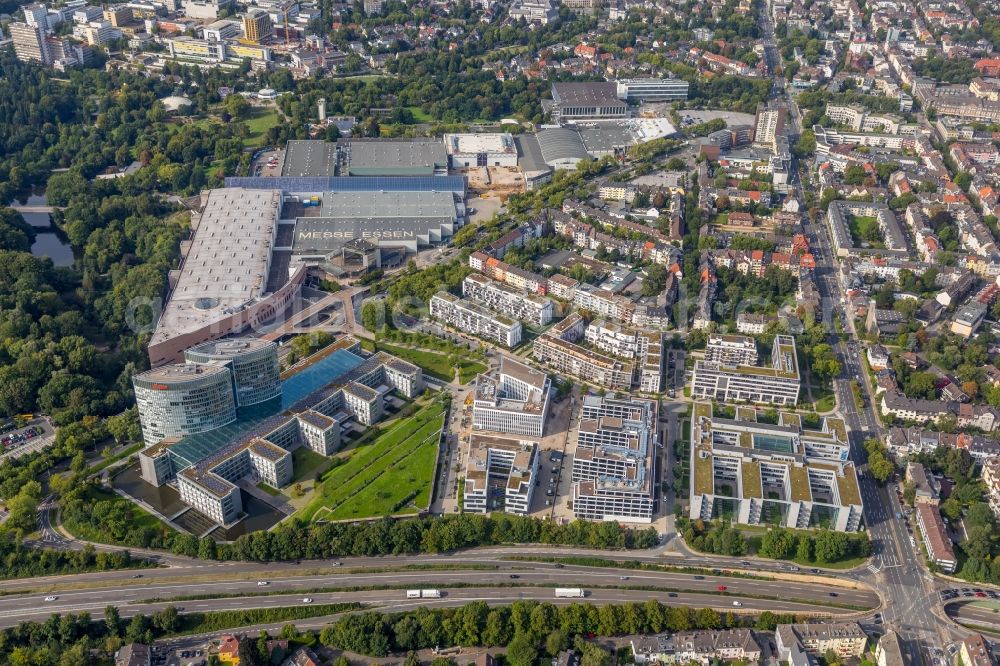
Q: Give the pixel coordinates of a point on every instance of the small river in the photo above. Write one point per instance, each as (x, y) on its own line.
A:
(49, 240)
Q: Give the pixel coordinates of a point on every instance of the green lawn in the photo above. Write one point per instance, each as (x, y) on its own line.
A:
(419, 115)
(260, 120)
(273, 492)
(866, 229)
(436, 365)
(376, 477)
(305, 462)
(826, 403)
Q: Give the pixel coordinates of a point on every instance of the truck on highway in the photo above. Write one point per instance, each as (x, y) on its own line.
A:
(423, 594)
(569, 592)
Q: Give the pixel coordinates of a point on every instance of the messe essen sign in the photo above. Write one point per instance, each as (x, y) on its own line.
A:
(348, 235)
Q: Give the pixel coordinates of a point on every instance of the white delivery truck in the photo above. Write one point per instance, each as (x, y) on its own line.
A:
(423, 594)
(569, 592)
(413, 594)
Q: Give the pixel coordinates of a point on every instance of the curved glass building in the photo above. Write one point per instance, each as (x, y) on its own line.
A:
(254, 366)
(183, 399)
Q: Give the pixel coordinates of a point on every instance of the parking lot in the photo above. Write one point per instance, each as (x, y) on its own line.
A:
(35, 436)
(267, 163)
(169, 656)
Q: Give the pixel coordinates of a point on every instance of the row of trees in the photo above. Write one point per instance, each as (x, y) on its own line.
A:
(525, 628)
(116, 519)
(778, 543)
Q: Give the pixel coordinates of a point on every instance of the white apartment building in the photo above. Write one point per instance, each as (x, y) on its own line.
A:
(991, 478)
(753, 324)
(559, 350)
(772, 474)
(515, 402)
(474, 319)
(778, 384)
(507, 467)
(603, 303)
(731, 349)
(614, 465)
(534, 309)
(845, 639)
(645, 347)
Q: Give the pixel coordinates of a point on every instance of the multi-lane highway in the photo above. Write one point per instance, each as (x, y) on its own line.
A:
(381, 581)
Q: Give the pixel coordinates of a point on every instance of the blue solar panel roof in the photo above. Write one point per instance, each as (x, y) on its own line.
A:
(350, 183)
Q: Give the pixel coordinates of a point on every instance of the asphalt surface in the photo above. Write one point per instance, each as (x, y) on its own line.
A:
(535, 580)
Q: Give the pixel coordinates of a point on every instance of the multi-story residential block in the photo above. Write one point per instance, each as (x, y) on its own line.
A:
(765, 474)
(701, 647)
(645, 347)
(515, 402)
(778, 384)
(889, 650)
(991, 479)
(975, 651)
(29, 43)
(508, 273)
(534, 309)
(475, 319)
(845, 639)
(769, 125)
(614, 466)
(500, 475)
(557, 349)
(935, 537)
(603, 303)
(731, 349)
(753, 324)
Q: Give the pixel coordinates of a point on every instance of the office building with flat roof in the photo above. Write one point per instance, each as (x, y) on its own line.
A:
(772, 474)
(651, 90)
(208, 466)
(475, 319)
(257, 25)
(514, 402)
(500, 475)
(587, 101)
(221, 287)
(532, 308)
(726, 382)
(614, 466)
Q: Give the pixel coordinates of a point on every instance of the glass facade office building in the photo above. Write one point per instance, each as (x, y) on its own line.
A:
(253, 363)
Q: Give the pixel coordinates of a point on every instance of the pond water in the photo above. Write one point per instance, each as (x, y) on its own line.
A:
(49, 241)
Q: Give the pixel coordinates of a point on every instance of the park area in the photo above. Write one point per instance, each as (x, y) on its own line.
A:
(391, 475)
(438, 365)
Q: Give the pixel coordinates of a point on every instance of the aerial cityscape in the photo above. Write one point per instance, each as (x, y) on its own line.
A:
(500, 333)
